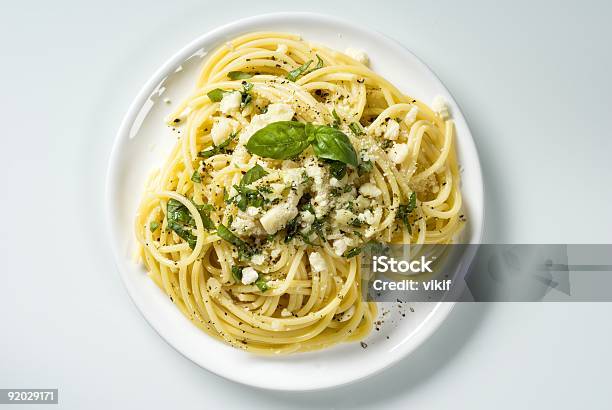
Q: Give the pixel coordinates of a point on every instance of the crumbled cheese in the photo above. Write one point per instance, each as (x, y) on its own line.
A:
(244, 226)
(439, 106)
(362, 202)
(230, 102)
(258, 259)
(374, 221)
(249, 275)
(252, 211)
(317, 262)
(369, 190)
(398, 153)
(276, 112)
(357, 54)
(293, 176)
(286, 313)
(411, 116)
(307, 218)
(318, 174)
(221, 130)
(392, 131)
(340, 246)
(277, 217)
(275, 253)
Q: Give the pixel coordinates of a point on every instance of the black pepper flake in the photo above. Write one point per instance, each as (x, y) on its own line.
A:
(363, 344)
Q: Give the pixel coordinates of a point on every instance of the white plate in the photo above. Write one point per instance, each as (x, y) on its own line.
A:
(143, 142)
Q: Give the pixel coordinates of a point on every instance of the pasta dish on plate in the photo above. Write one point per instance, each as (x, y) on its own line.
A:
(292, 159)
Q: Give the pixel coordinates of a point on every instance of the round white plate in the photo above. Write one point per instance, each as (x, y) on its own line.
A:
(142, 143)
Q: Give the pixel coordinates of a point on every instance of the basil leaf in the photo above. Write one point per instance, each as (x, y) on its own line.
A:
(403, 211)
(356, 129)
(319, 65)
(291, 229)
(239, 75)
(253, 175)
(237, 273)
(262, 285)
(337, 169)
(279, 140)
(294, 74)
(352, 252)
(153, 226)
(180, 221)
(228, 236)
(204, 211)
(216, 95)
(330, 143)
(365, 167)
(196, 177)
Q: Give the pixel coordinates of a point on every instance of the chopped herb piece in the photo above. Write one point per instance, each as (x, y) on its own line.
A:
(293, 75)
(386, 144)
(180, 221)
(337, 120)
(196, 177)
(237, 273)
(365, 167)
(246, 96)
(404, 210)
(352, 252)
(204, 211)
(337, 169)
(153, 226)
(356, 129)
(216, 95)
(291, 229)
(253, 175)
(239, 75)
(262, 285)
(217, 149)
(228, 236)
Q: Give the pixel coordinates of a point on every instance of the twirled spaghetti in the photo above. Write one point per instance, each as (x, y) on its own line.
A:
(292, 159)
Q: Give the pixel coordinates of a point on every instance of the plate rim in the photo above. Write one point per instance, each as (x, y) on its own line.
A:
(432, 321)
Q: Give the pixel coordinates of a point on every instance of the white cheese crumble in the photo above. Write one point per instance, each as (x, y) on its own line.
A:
(392, 131)
(230, 102)
(277, 217)
(357, 54)
(344, 217)
(317, 262)
(369, 190)
(341, 245)
(286, 313)
(398, 153)
(258, 259)
(438, 105)
(249, 275)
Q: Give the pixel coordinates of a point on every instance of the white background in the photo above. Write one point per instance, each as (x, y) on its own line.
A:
(533, 81)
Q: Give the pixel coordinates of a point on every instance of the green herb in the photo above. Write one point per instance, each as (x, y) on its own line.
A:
(356, 129)
(386, 144)
(287, 139)
(279, 140)
(365, 167)
(262, 285)
(239, 75)
(216, 95)
(217, 149)
(291, 229)
(244, 250)
(237, 273)
(294, 74)
(253, 175)
(180, 221)
(371, 246)
(153, 226)
(331, 143)
(337, 169)
(204, 211)
(404, 210)
(352, 252)
(337, 120)
(245, 95)
(196, 177)
(228, 236)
